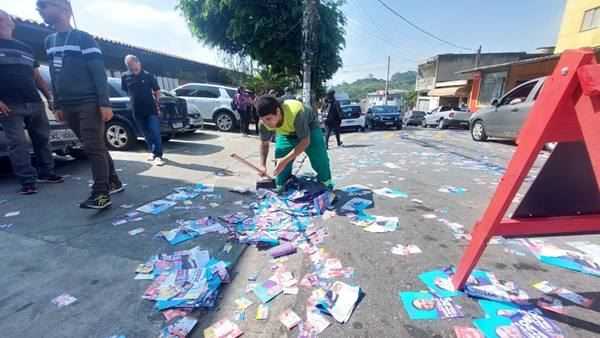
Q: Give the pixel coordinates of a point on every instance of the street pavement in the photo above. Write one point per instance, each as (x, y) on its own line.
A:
(53, 247)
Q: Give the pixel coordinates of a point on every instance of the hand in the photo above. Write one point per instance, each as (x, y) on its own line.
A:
(263, 171)
(107, 113)
(280, 167)
(60, 115)
(4, 110)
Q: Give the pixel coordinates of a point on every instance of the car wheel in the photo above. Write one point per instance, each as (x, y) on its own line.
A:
(166, 138)
(362, 129)
(442, 124)
(225, 121)
(424, 124)
(119, 136)
(478, 132)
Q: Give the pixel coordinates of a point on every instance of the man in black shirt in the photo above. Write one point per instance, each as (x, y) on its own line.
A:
(81, 95)
(145, 95)
(21, 107)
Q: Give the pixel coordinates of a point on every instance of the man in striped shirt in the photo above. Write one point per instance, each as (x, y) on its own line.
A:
(81, 96)
(22, 108)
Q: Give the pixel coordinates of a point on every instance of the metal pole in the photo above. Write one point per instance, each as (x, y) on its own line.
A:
(387, 82)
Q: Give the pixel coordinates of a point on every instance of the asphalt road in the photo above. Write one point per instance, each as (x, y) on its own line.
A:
(53, 247)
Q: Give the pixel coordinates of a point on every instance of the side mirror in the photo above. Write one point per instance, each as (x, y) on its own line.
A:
(495, 102)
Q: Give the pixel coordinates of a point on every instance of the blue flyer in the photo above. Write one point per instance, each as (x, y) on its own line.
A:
(419, 305)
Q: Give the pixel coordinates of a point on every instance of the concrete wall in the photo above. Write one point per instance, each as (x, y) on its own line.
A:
(570, 35)
(450, 64)
(528, 71)
(426, 76)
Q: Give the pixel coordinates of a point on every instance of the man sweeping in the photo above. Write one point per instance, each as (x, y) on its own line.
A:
(296, 130)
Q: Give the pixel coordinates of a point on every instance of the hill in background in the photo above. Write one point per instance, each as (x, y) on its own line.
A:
(359, 89)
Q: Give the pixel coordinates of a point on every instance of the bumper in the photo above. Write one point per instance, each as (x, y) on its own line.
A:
(353, 123)
(386, 124)
(458, 123)
(414, 122)
(173, 127)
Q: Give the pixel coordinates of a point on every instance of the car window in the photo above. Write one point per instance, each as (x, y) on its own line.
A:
(384, 110)
(231, 92)
(207, 92)
(185, 91)
(114, 88)
(445, 108)
(521, 93)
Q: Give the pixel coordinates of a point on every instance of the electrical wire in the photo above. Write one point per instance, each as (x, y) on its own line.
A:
(422, 30)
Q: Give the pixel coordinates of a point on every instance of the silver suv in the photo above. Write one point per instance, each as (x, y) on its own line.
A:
(210, 103)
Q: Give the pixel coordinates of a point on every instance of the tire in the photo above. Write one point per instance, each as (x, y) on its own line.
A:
(119, 136)
(362, 129)
(166, 138)
(225, 121)
(478, 131)
(424, 124)
(442, 124)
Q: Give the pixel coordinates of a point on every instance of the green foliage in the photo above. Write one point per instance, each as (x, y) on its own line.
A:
(268, 31)
(411, 98)
(359, 89)
(267, 80)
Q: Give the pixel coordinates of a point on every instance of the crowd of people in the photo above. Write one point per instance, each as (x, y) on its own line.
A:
(79, 95)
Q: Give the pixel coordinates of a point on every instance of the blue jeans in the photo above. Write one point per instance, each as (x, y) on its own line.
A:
(30, 116)
(150, 125)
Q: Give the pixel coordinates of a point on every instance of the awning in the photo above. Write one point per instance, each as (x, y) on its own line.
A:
(459, 91)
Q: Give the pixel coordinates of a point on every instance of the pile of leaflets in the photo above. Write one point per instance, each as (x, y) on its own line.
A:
(187, 279)
(586, 260)
(192, 229)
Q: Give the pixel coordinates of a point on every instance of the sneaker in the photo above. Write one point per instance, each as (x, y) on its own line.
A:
(28, 189)
(97, 201)
(116, 187)
(151, 158)
(50, 179)
(159, 162)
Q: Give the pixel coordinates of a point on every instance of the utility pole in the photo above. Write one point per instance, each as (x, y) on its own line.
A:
(310, 26)
(387, 82)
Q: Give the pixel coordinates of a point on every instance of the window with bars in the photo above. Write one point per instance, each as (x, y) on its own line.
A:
(591, 19)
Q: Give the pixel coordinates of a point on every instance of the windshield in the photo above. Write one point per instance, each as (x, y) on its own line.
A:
(115, 88)
(385, 110)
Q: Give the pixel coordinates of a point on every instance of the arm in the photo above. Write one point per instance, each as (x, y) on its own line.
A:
(264, 153)
(156, 92)
(42, 85)
(95, 64)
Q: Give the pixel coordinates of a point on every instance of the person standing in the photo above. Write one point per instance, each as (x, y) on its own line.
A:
(333, 121)
(145, 96)
(80, 90)
(242, 104)
(22, 108)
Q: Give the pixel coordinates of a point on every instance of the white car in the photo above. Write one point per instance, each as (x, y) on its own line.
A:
(210, 103)
(353, 118)
(444, 117)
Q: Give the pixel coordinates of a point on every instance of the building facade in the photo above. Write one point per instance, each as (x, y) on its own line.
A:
(439, 82)
(580, 25)
(170, 70)
(395, 97)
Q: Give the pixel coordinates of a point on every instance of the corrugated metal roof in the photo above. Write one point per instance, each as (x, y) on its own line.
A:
(114, 42)
(506, 64)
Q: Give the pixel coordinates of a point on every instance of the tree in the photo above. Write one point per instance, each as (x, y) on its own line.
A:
(269, 32)
(411, 99)
(359, 89)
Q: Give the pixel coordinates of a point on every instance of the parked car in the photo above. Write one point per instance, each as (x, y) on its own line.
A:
(353, 118)
(414, 118)
(213, 103)
(384, 117)
(444, 117)
(122, 131)
(506, 116)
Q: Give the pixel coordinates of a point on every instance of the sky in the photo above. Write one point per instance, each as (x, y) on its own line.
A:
(372, 32)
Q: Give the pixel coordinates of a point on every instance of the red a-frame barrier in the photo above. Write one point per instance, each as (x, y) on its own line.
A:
(565, 197)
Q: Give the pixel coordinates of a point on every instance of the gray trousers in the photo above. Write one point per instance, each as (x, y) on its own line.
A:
(31, 117)
(85, 120)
